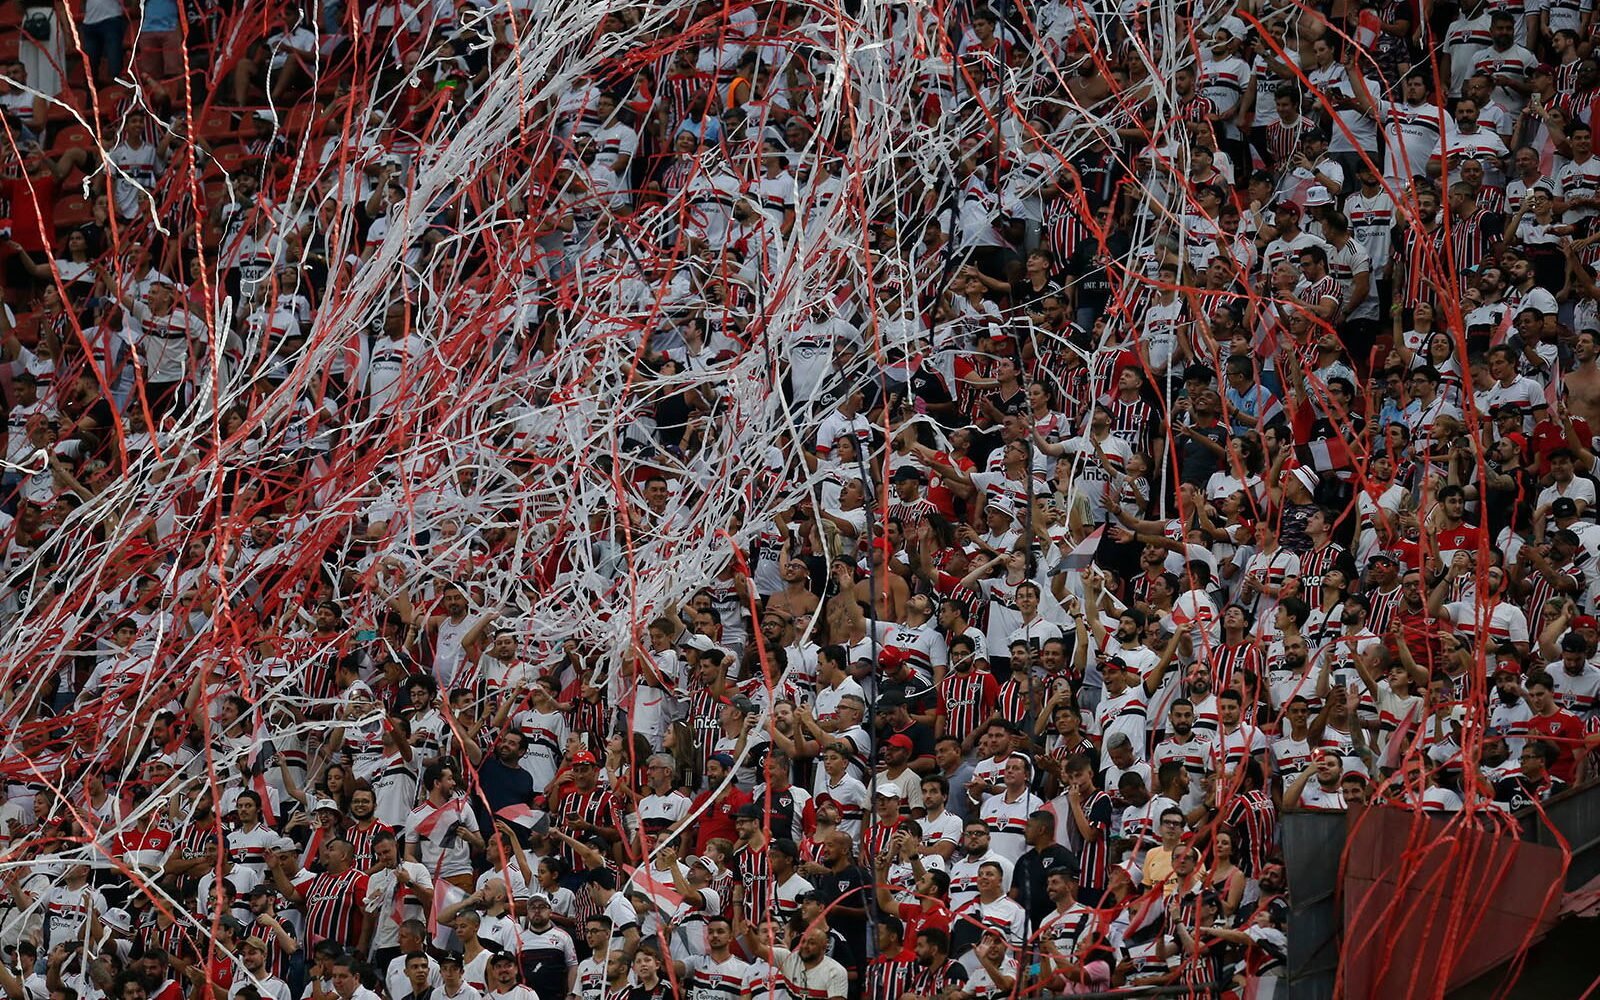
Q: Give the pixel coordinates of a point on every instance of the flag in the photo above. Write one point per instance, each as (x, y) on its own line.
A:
(265, 750)
(663, 893)
(1273, 410)
(526, 817)
(1325, 455)
(1082, 554)
(1395, 749)
(445, 896)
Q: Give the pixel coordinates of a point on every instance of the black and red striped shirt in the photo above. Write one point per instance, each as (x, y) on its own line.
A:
(754, 871)
(333, 907)
(966, 700)
(1094, 856)
(1229, 658)
(360, 841)
(595, 806)
(1253, 819)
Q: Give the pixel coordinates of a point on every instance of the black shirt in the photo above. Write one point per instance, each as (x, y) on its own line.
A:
(847, 888)
(1198, 461)
(1032, 870)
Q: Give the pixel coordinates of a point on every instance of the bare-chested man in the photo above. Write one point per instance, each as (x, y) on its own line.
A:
(1581, 386)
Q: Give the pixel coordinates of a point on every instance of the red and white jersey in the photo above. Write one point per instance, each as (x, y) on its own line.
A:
(1501, 622)
(1198, 755)
(1245, 741)
(1579, 694)
(924, 646)
(1289, 757)
(1008, 822)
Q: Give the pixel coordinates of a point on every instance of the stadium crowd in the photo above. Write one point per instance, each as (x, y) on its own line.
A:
(1198, 447)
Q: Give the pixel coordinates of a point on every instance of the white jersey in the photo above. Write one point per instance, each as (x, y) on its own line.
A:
(390, 367)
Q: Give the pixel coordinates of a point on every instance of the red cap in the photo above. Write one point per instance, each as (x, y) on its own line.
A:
(902, 741)
(1520, 440)
(1544, 68)
(582, 757)
(1585, 621)
(892, 656)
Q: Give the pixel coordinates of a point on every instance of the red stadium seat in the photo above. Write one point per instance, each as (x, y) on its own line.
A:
(73, 211)
(217, 127)
(228, 158)
(73, 136)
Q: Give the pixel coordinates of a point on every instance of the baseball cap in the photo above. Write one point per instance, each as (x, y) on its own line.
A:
(258, 944)
(1564, 507)
(902, 741)
(285, 844)
(320, 804)
(888, 790)
(502, 956)
(703, 643)
(117, 919)
(747, 811)
(725, 759)
(581, 757)
(538, 896)
(908, 473)
(1585, 621)
(1386, 557)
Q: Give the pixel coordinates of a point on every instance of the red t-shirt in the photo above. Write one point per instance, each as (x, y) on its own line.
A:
(1548, 436)
(916, 918)
(1464, 536)
(717, 821)
(1566, 731)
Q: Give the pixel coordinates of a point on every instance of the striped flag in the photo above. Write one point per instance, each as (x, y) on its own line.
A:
(664, 895)
(1273, 410)
(1082, 555)
(1325, 455)
(445, 896)
(258, 770)
(526, 817)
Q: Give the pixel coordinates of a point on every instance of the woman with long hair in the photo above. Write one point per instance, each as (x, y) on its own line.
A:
(1227, 879)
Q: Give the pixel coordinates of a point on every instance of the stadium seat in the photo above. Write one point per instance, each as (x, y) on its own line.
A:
(217, 127)
(73, 211)
(73, 136)
(227, 159)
